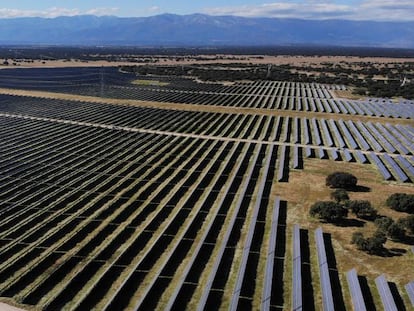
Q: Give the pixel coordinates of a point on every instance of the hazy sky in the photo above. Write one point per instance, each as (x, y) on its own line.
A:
(315, 9)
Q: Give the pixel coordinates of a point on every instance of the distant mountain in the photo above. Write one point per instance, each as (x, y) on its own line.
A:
(203, 30)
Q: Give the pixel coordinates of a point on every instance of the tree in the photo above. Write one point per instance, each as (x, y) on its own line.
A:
(401, 202)
(359, 240)
(329, 211)
(362, 209)
(408, 223)
(396, 231)
(372, 245)
(340, 195)
(383, 223)
(375, 244)
(341, 180)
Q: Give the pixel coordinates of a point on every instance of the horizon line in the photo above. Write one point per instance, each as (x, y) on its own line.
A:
(209, 15)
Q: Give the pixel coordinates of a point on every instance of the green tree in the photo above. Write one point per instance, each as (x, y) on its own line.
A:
(340, 195)
(371, 245)
(401, 202)
(396, 231)
(375, 244)
(408, 223)
(341, 180)
(328, 211)
(362, 209)
(359, 240)
(392, 229)
(383, 223)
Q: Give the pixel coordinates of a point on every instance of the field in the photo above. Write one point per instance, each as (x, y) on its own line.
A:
(159, 192)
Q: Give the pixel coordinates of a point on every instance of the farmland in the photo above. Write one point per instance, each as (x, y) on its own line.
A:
(168, 193)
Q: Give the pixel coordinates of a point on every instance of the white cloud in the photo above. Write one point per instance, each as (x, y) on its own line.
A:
(55, 12)
(381, 10)
(384, 10)
(154, 9)
(102, 11)
(284, 9)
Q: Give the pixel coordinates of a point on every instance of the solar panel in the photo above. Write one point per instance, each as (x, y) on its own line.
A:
(327, 298)
(385, 294)
(355, 290)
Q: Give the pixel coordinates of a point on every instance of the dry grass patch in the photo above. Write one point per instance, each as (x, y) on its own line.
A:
(149, 83)
(308, 186)
(347, 94)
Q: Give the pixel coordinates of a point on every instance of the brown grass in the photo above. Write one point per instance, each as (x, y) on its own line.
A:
(346, 94)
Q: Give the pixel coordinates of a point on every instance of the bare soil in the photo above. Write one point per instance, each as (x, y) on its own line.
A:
(9, 307)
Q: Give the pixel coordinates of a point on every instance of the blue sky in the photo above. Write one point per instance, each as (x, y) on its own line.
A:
(313, 9)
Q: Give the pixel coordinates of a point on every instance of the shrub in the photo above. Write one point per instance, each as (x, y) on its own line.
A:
(396, 231)
(372, 245)
(362, 209)
(375, 244)
(341, 180)
(383, 223)
(340, 195)
(401, 202)
(408, 223)
(329, 211)
(358, 239)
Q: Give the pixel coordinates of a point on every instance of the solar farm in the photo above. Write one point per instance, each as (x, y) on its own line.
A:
(164, 195)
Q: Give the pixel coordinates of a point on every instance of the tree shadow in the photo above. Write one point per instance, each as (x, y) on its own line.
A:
(359, 188)
(347, 222)
(392, 252)
(408, 239)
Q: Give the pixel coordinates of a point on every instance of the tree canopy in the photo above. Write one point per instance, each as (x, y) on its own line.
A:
(339, 195)
(392, 229)
(341, 180)
(329, 211)
(401, 202)
(362, 209)
(409, 223)
(371, 245)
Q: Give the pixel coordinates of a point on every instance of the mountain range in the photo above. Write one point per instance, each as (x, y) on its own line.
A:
(203, 30)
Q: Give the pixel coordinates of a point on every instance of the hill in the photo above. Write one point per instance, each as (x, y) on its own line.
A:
(203, 30)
